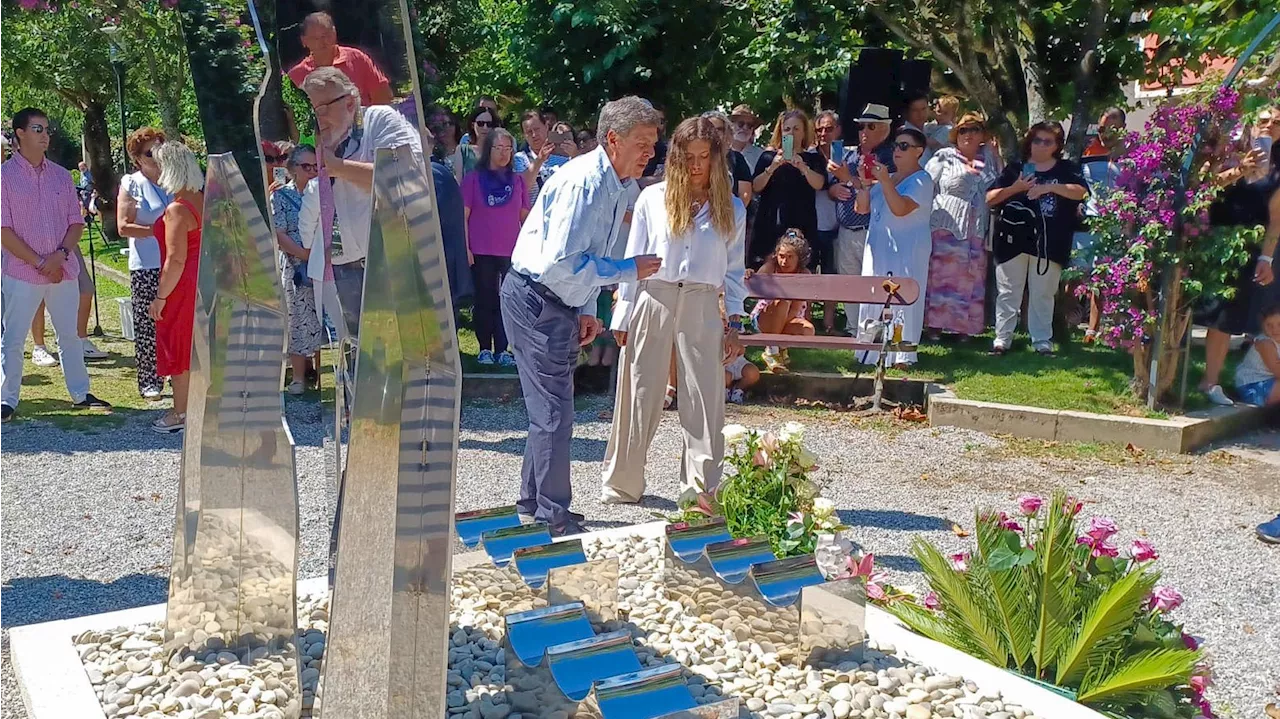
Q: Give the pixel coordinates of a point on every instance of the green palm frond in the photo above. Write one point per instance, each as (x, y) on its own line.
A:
(971, 623)
(1136, 680)
(1054, 586)
(922, 621)
(1103, 624)
(1010, 595)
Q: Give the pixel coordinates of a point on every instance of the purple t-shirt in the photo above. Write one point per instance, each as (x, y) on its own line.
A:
(493, 228)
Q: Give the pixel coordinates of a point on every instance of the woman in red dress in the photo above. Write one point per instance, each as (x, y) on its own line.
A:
(174, 308)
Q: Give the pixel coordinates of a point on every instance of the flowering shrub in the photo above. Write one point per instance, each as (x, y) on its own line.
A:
(1061, 603)
(769, 492)
(1145, 241)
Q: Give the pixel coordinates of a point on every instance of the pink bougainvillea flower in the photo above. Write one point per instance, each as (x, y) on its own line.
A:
(1190, 642)
(1100, 528)
(931, 602)
(1143, 551)
(960, 561)
(1029, 504)
(875, 591)
(1164, 599)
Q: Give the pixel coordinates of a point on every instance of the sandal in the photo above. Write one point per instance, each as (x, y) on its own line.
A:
(669, 401)
(168, 423)
(998, 351)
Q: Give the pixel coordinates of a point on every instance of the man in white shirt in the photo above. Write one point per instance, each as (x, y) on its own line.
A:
(349, 138)
(744, 124)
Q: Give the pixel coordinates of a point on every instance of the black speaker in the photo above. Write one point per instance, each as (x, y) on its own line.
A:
(913, 79)
(883, 77)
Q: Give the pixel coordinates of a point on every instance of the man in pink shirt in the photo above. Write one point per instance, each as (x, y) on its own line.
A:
(40, 224)
(320, 37)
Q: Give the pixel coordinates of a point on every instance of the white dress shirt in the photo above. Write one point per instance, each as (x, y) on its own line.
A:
(702, 254)
(382, 127)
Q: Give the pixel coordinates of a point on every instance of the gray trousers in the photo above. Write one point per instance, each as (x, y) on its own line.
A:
(544, 336)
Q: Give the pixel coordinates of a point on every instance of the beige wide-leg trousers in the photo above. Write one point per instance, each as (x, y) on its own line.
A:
(685, 315)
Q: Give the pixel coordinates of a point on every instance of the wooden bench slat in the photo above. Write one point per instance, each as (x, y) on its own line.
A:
(832, 288)
(823, 342)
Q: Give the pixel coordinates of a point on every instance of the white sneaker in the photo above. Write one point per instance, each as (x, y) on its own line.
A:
(1218, 397)
(151, 393)
(91, 350)
(296, 388)
(41, 357)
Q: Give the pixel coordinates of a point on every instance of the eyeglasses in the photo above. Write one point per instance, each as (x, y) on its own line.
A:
(484, 123)
(1044, 141)
(904, 146)
(39, 129)
(276, 158)
(825, 129)
(324, 107)
(308, 166)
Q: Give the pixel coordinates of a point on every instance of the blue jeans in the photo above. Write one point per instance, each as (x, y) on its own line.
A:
(544, 336)
(1257, 393)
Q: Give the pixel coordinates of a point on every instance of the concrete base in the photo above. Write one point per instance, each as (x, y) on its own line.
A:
(1182, 434)
(54, 684)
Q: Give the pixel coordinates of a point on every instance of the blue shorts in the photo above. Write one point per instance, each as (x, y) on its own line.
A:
(1256, 393)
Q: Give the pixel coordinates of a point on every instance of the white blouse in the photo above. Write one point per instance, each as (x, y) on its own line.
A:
(701, 255)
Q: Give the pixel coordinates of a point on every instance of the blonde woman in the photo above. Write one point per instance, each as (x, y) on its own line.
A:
(787, 179)
(693, 222)
(174, 308)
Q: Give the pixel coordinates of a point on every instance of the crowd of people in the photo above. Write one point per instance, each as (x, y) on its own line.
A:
(621, 243)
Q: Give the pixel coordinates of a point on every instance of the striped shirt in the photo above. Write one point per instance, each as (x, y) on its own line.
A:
(39, 205)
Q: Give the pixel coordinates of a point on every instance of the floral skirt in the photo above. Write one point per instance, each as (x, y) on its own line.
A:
(956, 292)
(306, 334)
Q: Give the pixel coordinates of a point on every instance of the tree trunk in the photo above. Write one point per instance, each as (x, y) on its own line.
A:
(1172, 326)
(106, 179)
(1085, 77)
(1024, 44)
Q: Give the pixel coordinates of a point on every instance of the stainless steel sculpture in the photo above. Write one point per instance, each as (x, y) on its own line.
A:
(387, 650)
(752, 595)
(232, 581)
(558, 663)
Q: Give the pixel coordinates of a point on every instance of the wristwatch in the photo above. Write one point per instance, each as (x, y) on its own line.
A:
(66, 254)
(1266, 258)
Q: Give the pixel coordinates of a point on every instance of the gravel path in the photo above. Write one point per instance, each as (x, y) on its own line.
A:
(87, 517)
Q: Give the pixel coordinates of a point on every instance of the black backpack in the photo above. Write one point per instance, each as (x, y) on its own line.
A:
(1018, 228)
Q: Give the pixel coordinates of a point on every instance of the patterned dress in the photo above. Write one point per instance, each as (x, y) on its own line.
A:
(305, 331)
(958, 264)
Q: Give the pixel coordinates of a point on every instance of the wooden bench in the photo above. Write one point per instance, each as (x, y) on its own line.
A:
(850, 289)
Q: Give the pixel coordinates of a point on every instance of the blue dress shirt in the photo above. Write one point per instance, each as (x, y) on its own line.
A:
(564, 243)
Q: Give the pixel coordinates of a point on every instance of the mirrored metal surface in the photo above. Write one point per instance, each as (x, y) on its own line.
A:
(528, 634)
(578, 665)
(780, 581)
(388, 637)
(500, 544)
(687, 540)
(533, 563)
(644, 694)
(470, 525)
(724, 709)
(232, 582)
(732, 560)
(833, 621)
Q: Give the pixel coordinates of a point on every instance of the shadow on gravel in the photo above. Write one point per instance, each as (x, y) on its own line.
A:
(31, 600)
(580, 448)
(904, 521)
(898, 562)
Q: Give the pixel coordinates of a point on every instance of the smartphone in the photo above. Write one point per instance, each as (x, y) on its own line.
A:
(558, 137)
(1028, 169)
(1263, 143)
(837, 151)
(788, 147)
(868, 162)
(279, 174)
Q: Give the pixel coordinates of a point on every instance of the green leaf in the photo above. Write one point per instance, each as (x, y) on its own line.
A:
(1103, 625)
(1137, 679)
(1010, 594)
(972, 625)
(1053, 587)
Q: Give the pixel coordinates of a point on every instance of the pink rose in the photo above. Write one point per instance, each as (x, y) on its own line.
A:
(960, 561)
(1009, 524)
(1098, 547)
(1100, 528)
(931, 602)
(1200, 682)
(1143, 551)
(1164, 599)
(1029, 505)
(1190, 642)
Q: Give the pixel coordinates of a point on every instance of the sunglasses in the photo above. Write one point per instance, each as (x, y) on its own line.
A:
(969, 130)
(484, 123)
(904, 146)
(276, 158)
(308, 166)
(39, 129)
(1044, 141)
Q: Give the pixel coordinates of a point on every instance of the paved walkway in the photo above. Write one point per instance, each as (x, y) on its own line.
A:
(87, 517)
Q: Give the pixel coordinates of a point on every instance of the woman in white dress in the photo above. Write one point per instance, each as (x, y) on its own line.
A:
(898, 240)
(693, 222)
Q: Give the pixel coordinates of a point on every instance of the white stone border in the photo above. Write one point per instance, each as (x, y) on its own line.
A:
(54, 684)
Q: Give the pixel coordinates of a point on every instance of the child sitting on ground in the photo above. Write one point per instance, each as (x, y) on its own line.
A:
(739, 374)
(788, 317)
(1256, 375)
